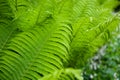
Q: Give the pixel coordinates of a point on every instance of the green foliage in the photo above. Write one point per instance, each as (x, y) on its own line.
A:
(41, 39)
(107, 63)
(111, 4)
(67, 74)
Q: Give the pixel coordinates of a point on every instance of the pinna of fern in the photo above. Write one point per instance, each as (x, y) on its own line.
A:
(39, 40)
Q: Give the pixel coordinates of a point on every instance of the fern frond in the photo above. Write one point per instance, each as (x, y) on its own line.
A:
(40, 39)
(64, 74)
(6, 19)
(38, 51)
(84, 8)
(35, 52)
(90, 32)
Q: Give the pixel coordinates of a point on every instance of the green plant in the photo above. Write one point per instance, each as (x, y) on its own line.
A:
(41, 39)
(105, 65)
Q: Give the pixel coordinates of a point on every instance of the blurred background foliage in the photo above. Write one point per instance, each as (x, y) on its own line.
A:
(105, 65)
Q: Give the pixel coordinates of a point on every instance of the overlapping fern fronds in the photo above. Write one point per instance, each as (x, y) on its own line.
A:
(39, 39)
(64, 74)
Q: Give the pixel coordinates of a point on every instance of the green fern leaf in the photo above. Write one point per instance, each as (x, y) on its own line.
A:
(38, 51)
(64, 74)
